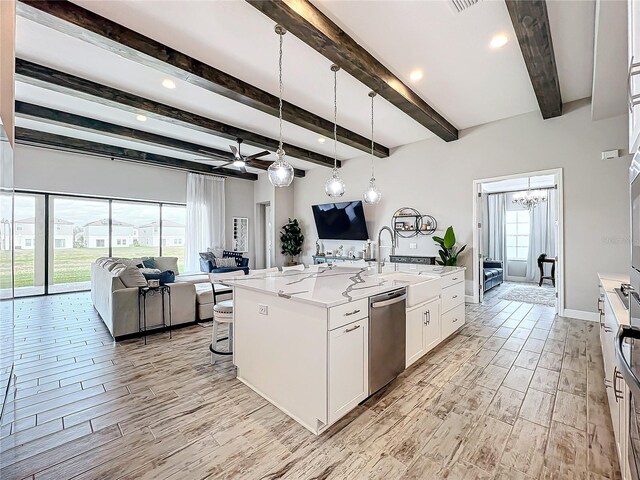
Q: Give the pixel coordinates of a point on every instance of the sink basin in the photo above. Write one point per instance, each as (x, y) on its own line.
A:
(420, 288)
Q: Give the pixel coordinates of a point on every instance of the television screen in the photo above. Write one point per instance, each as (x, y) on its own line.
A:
(340, 221)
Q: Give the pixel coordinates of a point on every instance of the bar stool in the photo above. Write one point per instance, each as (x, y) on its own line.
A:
(222, 314)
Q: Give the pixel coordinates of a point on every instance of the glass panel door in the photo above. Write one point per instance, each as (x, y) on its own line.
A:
(135, 230)
(78, 234)
(174, 220)
(29, 244)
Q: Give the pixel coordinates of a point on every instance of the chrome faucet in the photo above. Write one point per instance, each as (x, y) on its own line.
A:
(392, 246)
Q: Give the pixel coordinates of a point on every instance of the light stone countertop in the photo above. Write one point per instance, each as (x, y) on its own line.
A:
(609, 282)
(332, 286)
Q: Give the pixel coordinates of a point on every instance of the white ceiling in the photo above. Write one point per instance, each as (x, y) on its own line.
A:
(464, 79)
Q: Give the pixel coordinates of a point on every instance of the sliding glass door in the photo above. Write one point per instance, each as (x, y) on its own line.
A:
(135, 229)
(29, 244)
(174, 220)
(78, 234)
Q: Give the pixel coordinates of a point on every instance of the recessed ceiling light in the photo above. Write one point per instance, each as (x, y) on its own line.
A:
(499, 41)
(141, 118)
(416, 75)
(168, 83)
(321, 139)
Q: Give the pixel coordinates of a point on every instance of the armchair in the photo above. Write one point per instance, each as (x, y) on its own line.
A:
(493, 274)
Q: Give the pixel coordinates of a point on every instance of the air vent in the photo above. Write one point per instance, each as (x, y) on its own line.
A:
(459, 6)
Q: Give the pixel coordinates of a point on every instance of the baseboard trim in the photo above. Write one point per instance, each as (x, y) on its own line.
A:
(469, 299)
(581, 315)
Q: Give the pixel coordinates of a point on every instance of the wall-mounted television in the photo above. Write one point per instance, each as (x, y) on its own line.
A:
(340, 221)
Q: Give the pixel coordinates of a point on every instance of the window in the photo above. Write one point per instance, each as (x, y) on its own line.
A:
(60, 243)
(27, 242)
(133, 226)
(517, 223)
(99, 243)
(18, 228)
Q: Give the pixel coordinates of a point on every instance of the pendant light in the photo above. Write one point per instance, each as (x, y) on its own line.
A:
(372, 195)
(280, 172)
(335, 186)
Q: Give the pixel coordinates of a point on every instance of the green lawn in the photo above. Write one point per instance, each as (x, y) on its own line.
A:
(74, 264)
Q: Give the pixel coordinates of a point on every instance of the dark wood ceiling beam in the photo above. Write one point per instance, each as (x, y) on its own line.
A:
(314, 28)
(27, 136)
(71, 19)
(531, 22)
(57, 117)
(55, 80)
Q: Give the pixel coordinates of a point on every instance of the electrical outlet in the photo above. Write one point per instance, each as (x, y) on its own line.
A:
(263, 310)
(413, 245)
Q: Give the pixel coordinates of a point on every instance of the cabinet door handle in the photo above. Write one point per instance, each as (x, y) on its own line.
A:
(351, 313)
(455, 320)
(352, 329)
(455, 296)
(454, 278)
(427, 317)
(618, 394)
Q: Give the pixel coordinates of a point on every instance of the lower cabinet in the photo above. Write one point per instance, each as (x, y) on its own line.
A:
(423, 329)
(616, 388)
(452, 320)
(348, 367)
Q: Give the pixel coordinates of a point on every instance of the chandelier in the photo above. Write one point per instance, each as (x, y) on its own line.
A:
(280, 172)
(531, 198)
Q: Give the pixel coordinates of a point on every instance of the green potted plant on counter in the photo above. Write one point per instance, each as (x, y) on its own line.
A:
(291, 238)
(448, 250)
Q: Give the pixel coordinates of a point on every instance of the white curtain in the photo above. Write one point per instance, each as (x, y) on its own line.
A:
(542, 234)
(205, 217)
(495, 228)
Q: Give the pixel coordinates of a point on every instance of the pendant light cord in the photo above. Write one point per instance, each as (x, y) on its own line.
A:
(335, 119)
(372, 94)
(280, 90)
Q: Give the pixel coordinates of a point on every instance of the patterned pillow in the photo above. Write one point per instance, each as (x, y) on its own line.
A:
(226, 262)
(208, 257)
(235, 255)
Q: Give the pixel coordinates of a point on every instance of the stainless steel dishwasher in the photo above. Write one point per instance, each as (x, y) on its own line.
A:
(387, 337)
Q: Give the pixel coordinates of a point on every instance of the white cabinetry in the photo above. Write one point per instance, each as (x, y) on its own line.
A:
(616, 388)
(452, 304)
(633, 86)
(423, 329)
(348, 367)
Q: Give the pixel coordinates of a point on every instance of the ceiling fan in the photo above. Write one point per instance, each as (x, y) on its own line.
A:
(242, 162)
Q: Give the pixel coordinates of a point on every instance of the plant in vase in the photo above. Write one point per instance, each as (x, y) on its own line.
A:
(291, 239)
(448, 250)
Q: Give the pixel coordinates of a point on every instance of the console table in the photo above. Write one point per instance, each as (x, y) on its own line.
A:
(145, 292)
(329, 260)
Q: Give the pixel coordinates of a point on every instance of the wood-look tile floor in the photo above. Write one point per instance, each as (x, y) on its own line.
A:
(516, 394)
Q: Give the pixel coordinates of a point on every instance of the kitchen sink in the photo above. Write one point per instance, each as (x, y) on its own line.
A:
(420, 288)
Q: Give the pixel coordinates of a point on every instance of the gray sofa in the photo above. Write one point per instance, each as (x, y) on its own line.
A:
(115, 295)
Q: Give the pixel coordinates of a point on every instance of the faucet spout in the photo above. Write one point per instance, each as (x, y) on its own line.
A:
(392, 246)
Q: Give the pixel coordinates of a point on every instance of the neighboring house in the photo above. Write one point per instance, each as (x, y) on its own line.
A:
(96, 234)
(25, 233)
(172, 234)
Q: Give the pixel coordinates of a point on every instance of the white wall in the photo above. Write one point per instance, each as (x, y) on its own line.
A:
(41, 169)
(436, 178)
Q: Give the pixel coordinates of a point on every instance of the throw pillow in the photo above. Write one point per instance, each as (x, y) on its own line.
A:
(236, 255)
(130, 262)
(208, 256)
(163, 277)
(130, 276)
(226, 263)
(167, 263)
(150, 271)
(149, 262)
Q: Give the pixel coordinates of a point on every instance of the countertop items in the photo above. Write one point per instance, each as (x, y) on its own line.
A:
(336, 285)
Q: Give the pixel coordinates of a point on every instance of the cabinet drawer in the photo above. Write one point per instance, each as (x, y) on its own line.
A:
(452, 320)
(347, 313)
(452, 279)
(452, 296)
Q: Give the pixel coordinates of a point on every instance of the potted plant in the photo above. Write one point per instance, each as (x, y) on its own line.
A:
(291, 238)
(448, 250)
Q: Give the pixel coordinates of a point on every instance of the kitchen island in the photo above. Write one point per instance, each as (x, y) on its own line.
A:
(301, 338)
